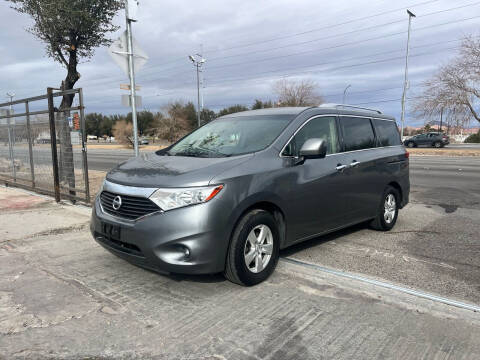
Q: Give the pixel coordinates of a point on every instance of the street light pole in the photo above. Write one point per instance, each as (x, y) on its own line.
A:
(405, 82)
(345, 93)
(198, 95)
(197, 61)
(131, 74)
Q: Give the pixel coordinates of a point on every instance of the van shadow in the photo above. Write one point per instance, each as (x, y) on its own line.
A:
(319, 240)
(206, 279)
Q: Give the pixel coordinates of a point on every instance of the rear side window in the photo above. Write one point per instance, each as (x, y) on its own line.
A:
(321, 128)
(357, 133)
(387, 132)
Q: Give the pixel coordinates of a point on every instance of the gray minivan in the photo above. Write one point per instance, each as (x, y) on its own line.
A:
(233, 193)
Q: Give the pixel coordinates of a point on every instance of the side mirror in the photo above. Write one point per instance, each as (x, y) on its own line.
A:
(314, 149)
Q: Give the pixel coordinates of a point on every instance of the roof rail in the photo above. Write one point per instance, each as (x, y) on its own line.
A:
(337, 106)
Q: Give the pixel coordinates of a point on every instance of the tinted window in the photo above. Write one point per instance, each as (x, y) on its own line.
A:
(387, 132)
(320, 128)
(232, 136)
(357, 133)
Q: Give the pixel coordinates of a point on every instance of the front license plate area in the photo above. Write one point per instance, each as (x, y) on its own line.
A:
(111, 231)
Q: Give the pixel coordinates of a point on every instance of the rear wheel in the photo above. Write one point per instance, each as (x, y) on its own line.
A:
(254, 249)
(388, 210)
(437, 144)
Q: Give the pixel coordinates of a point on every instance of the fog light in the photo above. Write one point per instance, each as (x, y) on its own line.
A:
(186, 252)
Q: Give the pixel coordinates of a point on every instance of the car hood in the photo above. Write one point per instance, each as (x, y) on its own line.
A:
(152, 170)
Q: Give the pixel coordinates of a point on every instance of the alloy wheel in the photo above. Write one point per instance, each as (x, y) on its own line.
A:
(258, 248)
(390, 208)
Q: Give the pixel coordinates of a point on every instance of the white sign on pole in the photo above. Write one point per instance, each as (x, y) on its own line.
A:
(133, 10)
(118, 52)
(127, 101)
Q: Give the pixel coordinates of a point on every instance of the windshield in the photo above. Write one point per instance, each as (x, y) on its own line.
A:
(231, 136)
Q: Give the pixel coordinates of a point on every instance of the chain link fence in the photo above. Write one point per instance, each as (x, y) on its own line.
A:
(43, 146)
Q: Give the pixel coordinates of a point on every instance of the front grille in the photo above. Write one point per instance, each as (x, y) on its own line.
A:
(132, 207)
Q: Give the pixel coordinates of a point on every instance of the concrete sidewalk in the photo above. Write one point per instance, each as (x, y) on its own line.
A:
(63, 296)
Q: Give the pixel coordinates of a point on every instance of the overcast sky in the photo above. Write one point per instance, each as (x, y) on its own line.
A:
(249, 45)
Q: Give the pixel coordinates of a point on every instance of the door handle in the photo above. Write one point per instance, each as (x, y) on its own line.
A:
(354, 163)
(341, 167)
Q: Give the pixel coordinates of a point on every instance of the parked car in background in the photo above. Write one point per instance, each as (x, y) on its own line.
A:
(143, 141)
(435, 139)
(231, 194)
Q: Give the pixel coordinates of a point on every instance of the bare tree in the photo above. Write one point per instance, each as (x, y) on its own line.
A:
(176, 123)
(123, 132)
(454, 91)
(297, 93)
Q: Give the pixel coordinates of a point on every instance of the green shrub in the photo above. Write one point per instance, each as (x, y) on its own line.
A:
(474, 138)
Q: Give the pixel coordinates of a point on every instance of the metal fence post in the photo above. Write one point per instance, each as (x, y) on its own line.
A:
(10, 146)
(29, 136)
(53, 142)
(84, 146)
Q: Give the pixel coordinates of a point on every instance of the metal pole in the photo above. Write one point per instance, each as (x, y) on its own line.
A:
(345, 93)
(30, 150)
(131, 74)
(198, 94)
(11, 138)
(84, 146)
(53, 141)
(405, 83)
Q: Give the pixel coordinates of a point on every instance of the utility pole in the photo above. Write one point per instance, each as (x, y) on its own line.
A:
(345, 93)
(197, 61)
(130, 7)
(405, 83)
(441, 119)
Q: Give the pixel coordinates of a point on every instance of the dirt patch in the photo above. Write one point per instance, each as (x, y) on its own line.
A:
(95, 179)
(444, 152)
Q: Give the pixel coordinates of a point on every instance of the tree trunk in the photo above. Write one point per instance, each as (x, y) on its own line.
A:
(66, 161)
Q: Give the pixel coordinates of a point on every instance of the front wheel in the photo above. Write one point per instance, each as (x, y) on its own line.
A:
(411, 144)
(254, 249)
(387, 212)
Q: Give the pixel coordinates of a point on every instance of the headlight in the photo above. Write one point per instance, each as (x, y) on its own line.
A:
(172, 198)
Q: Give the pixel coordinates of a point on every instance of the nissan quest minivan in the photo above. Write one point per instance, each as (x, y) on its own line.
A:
(233, 193)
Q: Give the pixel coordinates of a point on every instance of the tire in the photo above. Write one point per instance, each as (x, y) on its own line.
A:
(410, 144)
(236, 268)
(437, 144)
(384, 222)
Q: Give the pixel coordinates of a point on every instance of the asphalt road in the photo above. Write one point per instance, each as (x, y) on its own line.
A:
(450, 182)
(445, 181)
(435, 245)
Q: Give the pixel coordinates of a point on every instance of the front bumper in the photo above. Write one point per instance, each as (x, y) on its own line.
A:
(189, 240)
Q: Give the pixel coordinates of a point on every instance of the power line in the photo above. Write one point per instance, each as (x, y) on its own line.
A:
(324, 38)
(376, 26)
(262, 78)
(350, 43)
(378, 37)
(330, 69)
(314, 30)
(322, 28)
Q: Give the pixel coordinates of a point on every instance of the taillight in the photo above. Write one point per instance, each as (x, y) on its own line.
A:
(407, 154)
